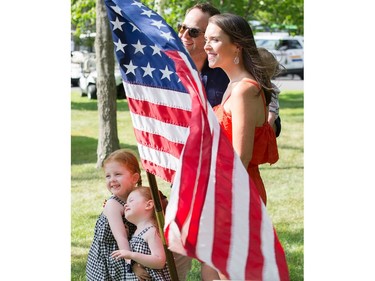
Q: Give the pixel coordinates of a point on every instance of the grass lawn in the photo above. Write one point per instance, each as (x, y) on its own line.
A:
(283, 180)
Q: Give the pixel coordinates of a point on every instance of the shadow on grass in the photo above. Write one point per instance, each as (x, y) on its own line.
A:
(300, 149)
(269, 167)
(83, 149)
(92, 105)
(291, 100)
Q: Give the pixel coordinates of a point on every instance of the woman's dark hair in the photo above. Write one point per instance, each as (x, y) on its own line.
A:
(240, 33)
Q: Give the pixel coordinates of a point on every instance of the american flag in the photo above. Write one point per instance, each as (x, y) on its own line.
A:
(214, 213)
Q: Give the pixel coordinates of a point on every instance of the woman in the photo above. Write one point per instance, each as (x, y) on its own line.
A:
(243, 112)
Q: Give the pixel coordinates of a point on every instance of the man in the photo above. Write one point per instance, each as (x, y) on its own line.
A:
(215, 81)
(191, 31)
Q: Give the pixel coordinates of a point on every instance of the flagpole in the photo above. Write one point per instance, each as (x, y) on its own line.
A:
(160, 219)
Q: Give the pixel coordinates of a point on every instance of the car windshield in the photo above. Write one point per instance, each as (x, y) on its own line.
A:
(269, 44)
(276, 44)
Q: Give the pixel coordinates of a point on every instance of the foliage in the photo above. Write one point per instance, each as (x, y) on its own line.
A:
(83, 21)
(270, 13)
(283, 180)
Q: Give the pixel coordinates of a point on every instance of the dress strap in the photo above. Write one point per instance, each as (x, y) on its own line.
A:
(255, 83)
(118, 200)
(264, 106)
(144, 230)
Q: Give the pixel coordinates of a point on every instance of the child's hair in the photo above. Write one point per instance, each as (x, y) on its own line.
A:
(145, 191)
(127, 158)
(272, 66)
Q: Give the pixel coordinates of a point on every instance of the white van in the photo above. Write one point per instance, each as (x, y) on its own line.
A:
(287, 49)
(87, 81)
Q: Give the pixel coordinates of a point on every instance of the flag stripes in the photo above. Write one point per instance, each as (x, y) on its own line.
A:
(215, 213)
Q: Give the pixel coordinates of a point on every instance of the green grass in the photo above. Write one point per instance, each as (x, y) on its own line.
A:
(283, 180)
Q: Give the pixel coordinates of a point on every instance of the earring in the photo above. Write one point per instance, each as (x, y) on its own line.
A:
(236, 59)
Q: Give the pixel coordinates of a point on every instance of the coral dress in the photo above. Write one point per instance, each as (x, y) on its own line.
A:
(265, 146)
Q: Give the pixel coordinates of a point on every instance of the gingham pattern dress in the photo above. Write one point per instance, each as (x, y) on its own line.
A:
(139, 245)
(100, 266)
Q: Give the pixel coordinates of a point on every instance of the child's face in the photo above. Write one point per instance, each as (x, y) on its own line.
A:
(119, 179)
(135, 206)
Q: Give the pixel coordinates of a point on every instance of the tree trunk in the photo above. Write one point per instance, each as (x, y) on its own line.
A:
(106, 86)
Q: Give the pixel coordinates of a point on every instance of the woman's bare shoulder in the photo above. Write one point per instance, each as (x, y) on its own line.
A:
(245, 89)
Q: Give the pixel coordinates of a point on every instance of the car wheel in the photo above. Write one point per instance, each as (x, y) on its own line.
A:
(91, 92)
(301, 75)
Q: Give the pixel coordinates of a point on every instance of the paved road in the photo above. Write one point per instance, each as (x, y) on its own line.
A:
(289, 83)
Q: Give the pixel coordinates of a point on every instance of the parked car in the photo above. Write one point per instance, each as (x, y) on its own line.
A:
(76, 73)
(287, 49)
(76, 59)
(87, 81)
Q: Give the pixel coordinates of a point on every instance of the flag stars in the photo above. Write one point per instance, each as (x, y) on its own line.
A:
(120, 46)
(148, 13)
(139, 4)
(117, 24)
(130, 68)
(148, 70)
(158, 24)
(166, 73)
(117, 9)
(134, 27)
(167, 35)
(138, 47)
(156, 50)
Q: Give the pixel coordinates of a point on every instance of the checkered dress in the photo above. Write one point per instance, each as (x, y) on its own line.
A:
(100, 266)
(139, 245)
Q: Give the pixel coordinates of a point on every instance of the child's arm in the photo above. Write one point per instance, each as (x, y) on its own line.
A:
(114, 212)
(157, 258)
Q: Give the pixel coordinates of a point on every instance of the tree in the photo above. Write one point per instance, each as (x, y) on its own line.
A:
(83, 17)
(106, 86)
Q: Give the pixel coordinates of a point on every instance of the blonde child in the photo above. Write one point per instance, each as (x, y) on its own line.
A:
(146, 245)
(122, 174)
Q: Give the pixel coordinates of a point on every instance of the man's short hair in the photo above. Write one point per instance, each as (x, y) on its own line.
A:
(205, 8)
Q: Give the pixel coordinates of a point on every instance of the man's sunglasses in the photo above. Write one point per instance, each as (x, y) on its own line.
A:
(192, 31)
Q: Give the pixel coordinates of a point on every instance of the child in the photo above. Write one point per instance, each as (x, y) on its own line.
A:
(146, 245)
(122, 173)
(273, 68)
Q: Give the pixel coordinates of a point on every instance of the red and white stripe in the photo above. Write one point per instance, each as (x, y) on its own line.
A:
(160, 119)
(215, 214)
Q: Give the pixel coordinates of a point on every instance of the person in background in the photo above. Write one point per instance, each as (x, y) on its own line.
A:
(243, 111)
(146, 244)
(122, 174)
(191, 32)
(273, 68)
